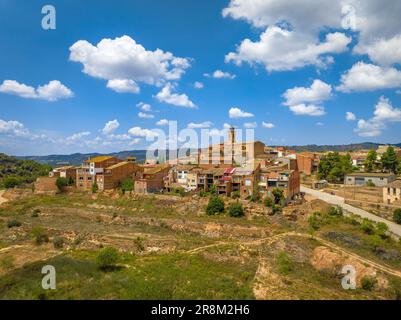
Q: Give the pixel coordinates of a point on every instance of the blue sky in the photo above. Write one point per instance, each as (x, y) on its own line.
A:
(287, 52)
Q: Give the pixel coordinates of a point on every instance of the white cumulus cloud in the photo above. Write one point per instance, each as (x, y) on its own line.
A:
(162, 122)
(123, 85)
(167, 96)
(308, 101)
(384, 114)
(349, 116)
(127, 61)
(202, 125)
(110, 126)
(235, 113)
(368, 77)
(145, 115)
(198, 85)
(268, 125)
(143, 133)
(52, 91)
(283, 50)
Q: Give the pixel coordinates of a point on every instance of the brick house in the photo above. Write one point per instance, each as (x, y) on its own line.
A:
(153, 179)
(86, 174)
(113, 175)
(278, 177)
(308, 162)
(64, 172)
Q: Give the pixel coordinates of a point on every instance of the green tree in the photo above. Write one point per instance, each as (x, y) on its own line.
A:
(95, 187)
(107, 258)
(71, 181)
(213, 190)
(389, 160)
(370, 163)
(215, 206)
(127, 185)
(61, 183)
(236, 210)
(268, 202)
(334, 167)
(278, 195)
(235, 195)
(397, 216)
(10, 182)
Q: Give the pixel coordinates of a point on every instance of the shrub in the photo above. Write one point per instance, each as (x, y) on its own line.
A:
(314, 221)
(107, 258)
(381, 230)
(35, 213)
(268, 202)
(10, 182)
(284, 263)
(369, 183)
(139, 243)
(213, 190)
(95, 187)
(276, 209)
(397, 216)
(367, 227)
(236, 210)
(235, 195)
(203, 193)
(58, 242)
(127, 185)
(215, 205)
(278, 195)
(7, 263)
(180, 191)
(335, 211)
(61, 183)
(71, 181)
(254, 197)
(368, 283)
(40, 235)
(13, 223)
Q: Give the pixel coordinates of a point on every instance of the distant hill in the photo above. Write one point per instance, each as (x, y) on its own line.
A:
(78, 158)
(339, 148)
(15, 171)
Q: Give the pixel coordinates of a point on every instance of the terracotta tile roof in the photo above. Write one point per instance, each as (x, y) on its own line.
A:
(98, 159)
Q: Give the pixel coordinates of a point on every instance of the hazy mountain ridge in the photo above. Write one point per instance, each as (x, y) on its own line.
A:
(78, 158)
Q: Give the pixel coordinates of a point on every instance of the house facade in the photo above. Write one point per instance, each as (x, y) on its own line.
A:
(392, 192)
(364, 178)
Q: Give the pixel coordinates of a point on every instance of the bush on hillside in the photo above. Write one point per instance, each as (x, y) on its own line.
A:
(236, 210)
(215, 206)
(397, 216)
(107, 258)
(61, 183)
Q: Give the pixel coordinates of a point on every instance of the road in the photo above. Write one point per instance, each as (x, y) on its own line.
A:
(339, 201)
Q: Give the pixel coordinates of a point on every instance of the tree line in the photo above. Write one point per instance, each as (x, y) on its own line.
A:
(333, 167)
(15, 172)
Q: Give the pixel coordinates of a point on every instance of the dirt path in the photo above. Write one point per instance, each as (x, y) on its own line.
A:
(270, 240)
(2, 199)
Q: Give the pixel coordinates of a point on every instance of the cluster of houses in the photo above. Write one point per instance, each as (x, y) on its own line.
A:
(232, 166)
(241, 167)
